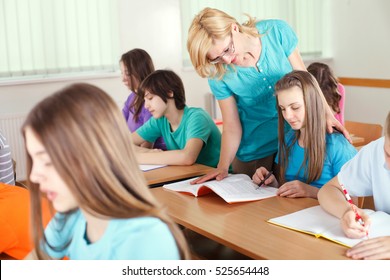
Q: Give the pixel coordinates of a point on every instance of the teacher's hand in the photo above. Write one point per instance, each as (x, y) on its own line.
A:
(217, 174)
(332, 123)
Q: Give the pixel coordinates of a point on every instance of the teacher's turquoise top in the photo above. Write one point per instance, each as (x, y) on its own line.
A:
(254, 90)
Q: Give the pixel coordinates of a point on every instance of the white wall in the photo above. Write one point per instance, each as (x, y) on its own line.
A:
(361, 44)
(360, 33)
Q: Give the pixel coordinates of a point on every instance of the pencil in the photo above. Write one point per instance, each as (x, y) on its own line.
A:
(263, 181)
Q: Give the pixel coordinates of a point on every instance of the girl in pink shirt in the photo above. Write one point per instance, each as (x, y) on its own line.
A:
(333, 91)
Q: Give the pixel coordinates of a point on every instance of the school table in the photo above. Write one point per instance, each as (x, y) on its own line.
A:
(243, 226)
(171, 173)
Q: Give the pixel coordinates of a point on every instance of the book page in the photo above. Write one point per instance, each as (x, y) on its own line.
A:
(233, 188)
(313, 220)
(147, 167)
(184, 186)
(239, 187)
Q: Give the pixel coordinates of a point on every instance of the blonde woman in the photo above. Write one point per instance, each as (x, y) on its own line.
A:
(308, 156)
(242, 63)
(80, 154)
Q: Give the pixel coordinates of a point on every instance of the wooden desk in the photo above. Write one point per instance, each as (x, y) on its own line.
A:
(170, 173)
(243, 226)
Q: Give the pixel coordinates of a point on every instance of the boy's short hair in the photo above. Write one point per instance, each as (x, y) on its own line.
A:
(387, 125)
(161, 83)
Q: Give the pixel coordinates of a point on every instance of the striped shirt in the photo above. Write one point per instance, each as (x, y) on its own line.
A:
(7, 175)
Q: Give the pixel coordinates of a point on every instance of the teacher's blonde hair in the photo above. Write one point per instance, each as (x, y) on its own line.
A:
(209, 25)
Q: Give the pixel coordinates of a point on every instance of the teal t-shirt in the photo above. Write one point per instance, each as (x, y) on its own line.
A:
(143, 238)
(338, 152)
(253, 90)
(196, 123)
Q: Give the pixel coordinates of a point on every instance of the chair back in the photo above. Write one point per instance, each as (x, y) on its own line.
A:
(368, 131)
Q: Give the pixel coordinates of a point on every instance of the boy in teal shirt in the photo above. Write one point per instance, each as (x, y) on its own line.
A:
(190, 134)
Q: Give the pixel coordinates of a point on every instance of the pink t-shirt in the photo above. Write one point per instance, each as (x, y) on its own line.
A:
(340, 116)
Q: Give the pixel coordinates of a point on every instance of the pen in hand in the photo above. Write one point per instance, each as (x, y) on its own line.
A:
(358, 218)
(263, 181)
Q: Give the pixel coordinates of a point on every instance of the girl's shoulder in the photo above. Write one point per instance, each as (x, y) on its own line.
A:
(139, 226)
(336, 141)
(335, 137)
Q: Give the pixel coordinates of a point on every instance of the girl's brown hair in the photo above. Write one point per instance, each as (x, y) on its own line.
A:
(315, 121)
(88, 142)
(328, 84)
(138, 65)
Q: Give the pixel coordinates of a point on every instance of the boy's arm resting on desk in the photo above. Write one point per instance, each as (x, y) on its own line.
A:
(186, 156)
(138, 141)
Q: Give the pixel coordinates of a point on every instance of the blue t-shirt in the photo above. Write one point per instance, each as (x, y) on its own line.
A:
(143, 238)
(253, 90)
(195, 123)
(338, 152)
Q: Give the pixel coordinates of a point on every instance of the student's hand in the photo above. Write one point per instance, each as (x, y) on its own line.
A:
(351, 227)
(217, 174)
(332, 122)
(297, 188)
(260, 174)
(371, 249)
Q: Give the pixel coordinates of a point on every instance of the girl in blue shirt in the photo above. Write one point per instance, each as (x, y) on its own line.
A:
(308, 156)
(80, 155)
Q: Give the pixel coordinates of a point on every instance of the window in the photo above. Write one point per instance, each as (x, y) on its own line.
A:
(46, 38)
(305, 16)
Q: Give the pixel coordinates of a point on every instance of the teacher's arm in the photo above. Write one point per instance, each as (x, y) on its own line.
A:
(231, 138)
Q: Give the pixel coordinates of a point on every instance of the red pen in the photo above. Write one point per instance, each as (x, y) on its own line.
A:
(358, 217)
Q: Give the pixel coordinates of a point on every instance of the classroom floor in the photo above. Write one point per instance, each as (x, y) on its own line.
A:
(203, 248)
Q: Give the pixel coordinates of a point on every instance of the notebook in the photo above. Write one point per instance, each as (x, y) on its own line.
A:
(318, 222)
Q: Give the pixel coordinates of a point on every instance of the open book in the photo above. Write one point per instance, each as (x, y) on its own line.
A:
(233, 188)
(316, 221)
